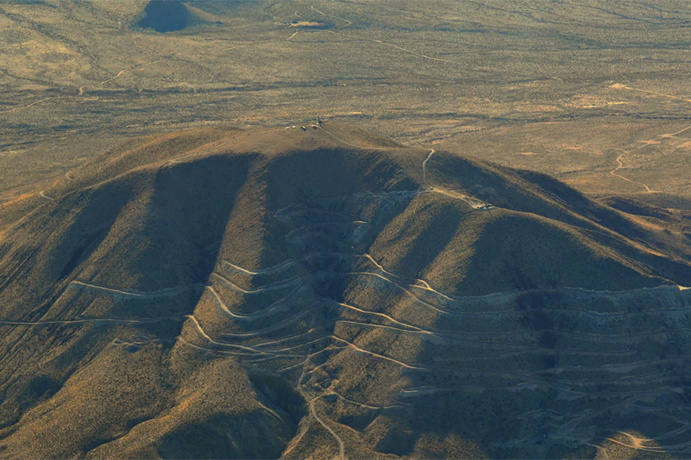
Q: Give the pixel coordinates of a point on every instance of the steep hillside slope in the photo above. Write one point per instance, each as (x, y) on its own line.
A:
(323, 292)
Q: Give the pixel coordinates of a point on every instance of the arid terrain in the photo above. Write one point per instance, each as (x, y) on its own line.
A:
(325, 293)
(345, 229)
(564, 87)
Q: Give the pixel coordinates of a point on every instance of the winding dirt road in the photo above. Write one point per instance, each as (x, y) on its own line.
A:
(669, 96)
(16, 109)
(251, 317)
(424, 166)
(620, 165)
(349, 23)
(87, 321)
(128, 293)
(43, 195)
(271, 287)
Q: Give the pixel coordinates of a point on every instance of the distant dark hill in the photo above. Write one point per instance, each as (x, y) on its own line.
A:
(165, 16)
(326, 292)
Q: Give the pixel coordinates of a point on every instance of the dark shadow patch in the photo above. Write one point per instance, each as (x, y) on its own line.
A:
(521, 280)
(358, 421)
(548, 339)
(397, 442)
(41, 386)
(537, 320)
(328, 179)
(81, 252)
(94, 443)
(330, 286)
(472, 417)
(82, 220)
(639, 208)
(25, 394)
(190, 210)
(279, 394)
(549, 361)
(225, 436)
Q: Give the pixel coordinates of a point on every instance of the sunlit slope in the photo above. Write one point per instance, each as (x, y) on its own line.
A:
(325, 292)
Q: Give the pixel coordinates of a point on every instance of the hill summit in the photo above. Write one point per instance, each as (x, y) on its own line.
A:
(320, 291)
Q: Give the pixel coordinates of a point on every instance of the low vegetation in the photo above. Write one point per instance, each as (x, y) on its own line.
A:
(327, 292)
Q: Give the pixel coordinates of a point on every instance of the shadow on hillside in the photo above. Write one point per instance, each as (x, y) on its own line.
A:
(189, 214)
(548, 395)
(224, 436)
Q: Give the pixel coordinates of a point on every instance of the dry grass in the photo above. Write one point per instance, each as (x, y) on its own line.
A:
(306, 291)
(311, 293)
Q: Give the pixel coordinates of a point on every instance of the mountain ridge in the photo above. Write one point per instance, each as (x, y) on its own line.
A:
(336, 294)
